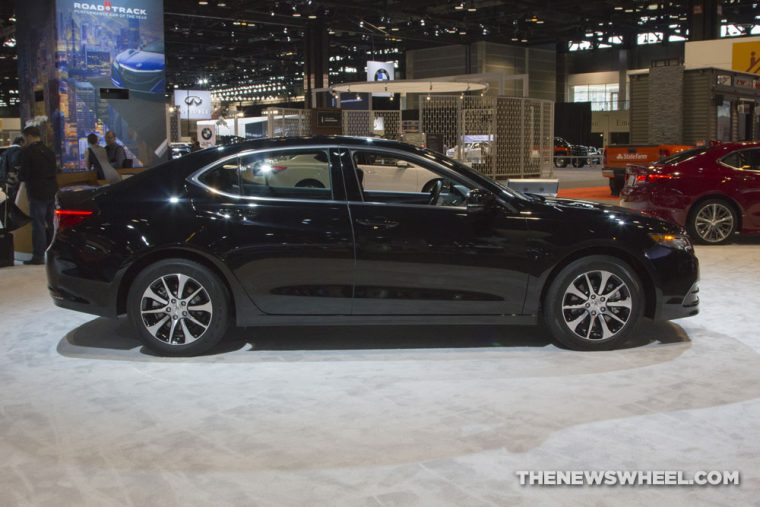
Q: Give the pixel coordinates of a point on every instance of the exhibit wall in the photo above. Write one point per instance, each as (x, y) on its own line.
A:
(91, 68)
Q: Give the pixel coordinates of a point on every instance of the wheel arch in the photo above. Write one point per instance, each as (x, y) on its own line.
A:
(645, 277)
(142, 262)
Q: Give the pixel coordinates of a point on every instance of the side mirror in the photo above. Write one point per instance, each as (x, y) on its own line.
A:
(479, 200)
(402, 164)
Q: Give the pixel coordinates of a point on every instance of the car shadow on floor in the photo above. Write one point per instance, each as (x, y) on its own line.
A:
(114, 337)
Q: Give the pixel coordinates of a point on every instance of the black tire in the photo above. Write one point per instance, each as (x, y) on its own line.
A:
(309, 183)
(615, 186)
(560, 162)
(722, 232)
(579, 162)
(212, 304)
(576, 327)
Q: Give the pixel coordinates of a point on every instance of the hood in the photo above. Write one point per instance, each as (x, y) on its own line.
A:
(596, 212)
(141, 60)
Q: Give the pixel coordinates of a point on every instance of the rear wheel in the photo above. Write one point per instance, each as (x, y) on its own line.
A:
(179, 307)
(713, 222)
(594, 303)
(579, 162)
(309, 183)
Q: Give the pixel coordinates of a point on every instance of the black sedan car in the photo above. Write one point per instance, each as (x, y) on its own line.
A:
(358, 231)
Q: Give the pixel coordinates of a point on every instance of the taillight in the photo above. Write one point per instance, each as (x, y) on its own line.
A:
(651, 177)
(279, 168)
(65, 218)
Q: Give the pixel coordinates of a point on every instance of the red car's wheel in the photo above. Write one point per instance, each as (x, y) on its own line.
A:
(713, 222)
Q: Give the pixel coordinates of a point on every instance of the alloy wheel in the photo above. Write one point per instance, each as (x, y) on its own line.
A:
(176, 309)
(597, 305)
(714, 222)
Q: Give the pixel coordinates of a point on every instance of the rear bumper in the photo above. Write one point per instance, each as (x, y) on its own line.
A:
(70, 290)
(610, 172)
(660, 205)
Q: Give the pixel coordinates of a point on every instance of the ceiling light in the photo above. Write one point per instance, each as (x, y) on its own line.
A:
(459, 7)
(221, 4)
(618, 7)
(312, 16)
(296, 14)
(202, 2)
(653, 7)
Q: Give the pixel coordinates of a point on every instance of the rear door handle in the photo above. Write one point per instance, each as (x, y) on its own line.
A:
(382, 223)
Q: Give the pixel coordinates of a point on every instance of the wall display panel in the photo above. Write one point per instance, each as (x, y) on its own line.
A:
(83, 49)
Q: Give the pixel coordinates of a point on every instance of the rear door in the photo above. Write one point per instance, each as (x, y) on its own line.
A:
(280, 221)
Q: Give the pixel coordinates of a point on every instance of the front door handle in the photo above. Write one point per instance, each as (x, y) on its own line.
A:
(377, 223)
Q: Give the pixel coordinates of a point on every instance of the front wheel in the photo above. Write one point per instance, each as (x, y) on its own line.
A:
(179, 307)
(712, 222)
(594, 303)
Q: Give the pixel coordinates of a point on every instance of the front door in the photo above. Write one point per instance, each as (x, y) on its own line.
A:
(419, 251)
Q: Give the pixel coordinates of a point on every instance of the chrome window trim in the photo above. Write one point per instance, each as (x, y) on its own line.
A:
(194, 177)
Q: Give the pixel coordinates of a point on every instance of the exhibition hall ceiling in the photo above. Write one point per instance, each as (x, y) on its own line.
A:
(223, 43)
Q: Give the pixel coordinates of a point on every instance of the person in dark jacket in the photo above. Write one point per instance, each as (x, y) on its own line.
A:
(115, 152)
(38, 170)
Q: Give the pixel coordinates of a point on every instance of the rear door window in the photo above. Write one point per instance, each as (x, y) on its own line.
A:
(301, 174)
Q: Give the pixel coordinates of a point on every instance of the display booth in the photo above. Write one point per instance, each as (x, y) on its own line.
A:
(501, 137)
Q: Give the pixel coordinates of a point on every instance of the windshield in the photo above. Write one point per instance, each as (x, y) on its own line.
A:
(682, 155)
(156, 46)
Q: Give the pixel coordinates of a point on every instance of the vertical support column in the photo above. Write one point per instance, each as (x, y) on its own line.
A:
(561, 72)
(316, 65)
(704, 19)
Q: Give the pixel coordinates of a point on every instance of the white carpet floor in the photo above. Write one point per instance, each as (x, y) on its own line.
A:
(377, 416)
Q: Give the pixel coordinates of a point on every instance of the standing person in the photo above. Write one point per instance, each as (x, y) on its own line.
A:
(95, 156)
(116, 153)
(10, 160)
(194, 144)
(38, 170)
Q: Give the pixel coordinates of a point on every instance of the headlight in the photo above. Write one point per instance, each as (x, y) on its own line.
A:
(674, 241)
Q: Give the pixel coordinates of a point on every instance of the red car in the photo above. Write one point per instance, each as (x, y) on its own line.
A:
(713, 191)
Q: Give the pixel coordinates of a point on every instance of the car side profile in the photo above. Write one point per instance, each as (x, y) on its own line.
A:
(223, 237)
(713, 191)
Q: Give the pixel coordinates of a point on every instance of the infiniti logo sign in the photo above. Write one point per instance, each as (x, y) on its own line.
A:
(193, 100)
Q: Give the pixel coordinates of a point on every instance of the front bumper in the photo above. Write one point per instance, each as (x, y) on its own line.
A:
(677, 307)
(676, 280)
